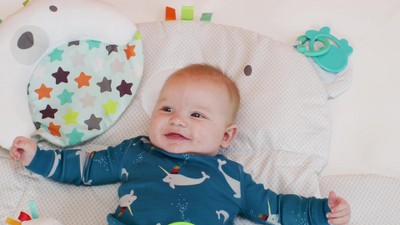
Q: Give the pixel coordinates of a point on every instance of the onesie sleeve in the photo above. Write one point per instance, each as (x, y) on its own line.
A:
(266, 207)
(79, 167)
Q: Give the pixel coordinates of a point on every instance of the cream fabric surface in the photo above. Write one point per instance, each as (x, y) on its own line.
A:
(374, 199)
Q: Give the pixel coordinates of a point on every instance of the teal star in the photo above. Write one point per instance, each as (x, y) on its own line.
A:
(93, 44)
(75, 137)
(56, 55)
(65, 97)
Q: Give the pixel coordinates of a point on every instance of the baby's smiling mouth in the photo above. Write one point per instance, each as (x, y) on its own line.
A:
(176, 136)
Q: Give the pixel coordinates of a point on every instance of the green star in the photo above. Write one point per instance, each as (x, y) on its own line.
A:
(93, 44)
(56, 55)
(110, 107)
(65, 97)
(137, 36)
(75, 137)
(71, 117)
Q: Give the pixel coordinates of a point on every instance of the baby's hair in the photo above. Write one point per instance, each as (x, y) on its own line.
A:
(215, 73)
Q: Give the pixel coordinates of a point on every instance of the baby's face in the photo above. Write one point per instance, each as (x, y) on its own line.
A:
(191, 116)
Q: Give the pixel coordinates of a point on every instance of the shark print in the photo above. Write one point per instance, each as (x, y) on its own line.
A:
(125, 202)
(180, 180)
(234, 184)
(57, 158)
(222, 213)
(270, 218)
(124, 172)
(83, 158)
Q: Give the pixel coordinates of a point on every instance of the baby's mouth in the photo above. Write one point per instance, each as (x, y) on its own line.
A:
(176, 136)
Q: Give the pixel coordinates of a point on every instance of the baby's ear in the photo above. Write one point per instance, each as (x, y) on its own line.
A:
(229, 135)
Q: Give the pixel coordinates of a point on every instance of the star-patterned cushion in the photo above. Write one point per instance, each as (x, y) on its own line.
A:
(36, 30)
(81, 88)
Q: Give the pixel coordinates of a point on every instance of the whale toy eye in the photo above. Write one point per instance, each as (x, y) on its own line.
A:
(28, 44)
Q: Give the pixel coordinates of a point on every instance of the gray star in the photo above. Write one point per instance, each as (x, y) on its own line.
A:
(112, 48)
(93, 122)
(105, 85)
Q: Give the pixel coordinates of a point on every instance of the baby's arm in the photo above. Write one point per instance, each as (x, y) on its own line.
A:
(23, 149)
(73, 165)
(340, 210)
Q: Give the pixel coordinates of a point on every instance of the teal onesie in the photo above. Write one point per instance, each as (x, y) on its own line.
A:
(160, 188)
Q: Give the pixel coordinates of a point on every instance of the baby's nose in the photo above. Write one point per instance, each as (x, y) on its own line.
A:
(177, 121)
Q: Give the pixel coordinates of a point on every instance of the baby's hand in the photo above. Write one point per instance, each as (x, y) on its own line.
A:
(23, 149)
(340, 210)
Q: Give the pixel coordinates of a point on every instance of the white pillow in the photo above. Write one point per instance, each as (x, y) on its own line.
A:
(284, 121)
(48, 24)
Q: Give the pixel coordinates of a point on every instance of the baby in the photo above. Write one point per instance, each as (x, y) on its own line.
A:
(176, 174)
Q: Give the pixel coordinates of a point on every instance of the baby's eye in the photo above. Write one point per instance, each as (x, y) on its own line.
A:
(197, 115)
(166, 109)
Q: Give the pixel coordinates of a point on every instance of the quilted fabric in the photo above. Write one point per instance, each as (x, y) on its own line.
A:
(374, 199)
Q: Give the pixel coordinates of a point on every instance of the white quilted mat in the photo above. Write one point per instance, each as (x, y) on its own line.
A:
(67, 203)
(373, 199)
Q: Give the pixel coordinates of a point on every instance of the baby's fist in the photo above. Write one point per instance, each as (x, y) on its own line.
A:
(23, 149)
(340, 210)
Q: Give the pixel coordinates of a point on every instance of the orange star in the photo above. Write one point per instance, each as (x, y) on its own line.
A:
(54, 129)
(43, 91)
(83, 80)
(130, 51)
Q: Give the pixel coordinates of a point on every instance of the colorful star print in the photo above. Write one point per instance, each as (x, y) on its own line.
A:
(75, 137)
(110, 107)
(130, 51)
(93, 44)
(54, 129)
(81, 88)
(71, 117)
(124, 88)
(88, 100)
(93, 122)
(65, 97)
(117, 66)
(98, 64)
(56, 55)
(43, 91)
(48, 112)
(72, 43)
(112, 48)
(61, 76)
(78, 59)
(105, 85)
(83, 80)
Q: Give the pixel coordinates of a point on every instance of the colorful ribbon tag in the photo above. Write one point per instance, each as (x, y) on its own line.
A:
(170, 14)
(206, 17)
(32, 207)
(187, 13)
(24, 217)
(12, 221)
